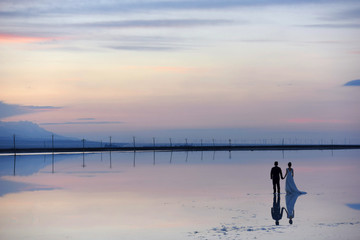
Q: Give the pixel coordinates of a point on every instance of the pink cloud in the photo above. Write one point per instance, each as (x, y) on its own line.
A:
(175, 69)
(13, 38)
(355, 52)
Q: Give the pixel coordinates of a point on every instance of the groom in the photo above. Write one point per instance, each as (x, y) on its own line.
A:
(275, 175)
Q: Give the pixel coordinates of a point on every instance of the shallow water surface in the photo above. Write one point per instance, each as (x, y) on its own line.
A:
(178, 195)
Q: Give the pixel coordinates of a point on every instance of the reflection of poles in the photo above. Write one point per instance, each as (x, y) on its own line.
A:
(83, 153)
(134, 162)
(110, 153)
(83, 165)
(14, 155)
(154, 158)
(187, 155)
(171, 156)
(52, 145)
(53, 163)
(110, 159)
(14, 164)
(214, 155)
(154, 150)
(202, 152)
(101, 150)
(230, 149)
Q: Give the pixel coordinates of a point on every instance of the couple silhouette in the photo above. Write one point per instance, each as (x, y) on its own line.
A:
(292, 193)
(276, 174)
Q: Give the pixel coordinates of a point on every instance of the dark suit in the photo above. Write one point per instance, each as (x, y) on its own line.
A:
(275, 175)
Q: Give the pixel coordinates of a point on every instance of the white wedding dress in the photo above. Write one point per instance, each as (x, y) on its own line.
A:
(290, 186)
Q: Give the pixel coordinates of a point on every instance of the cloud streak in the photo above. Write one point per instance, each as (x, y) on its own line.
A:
(145, 48)
(86, 119)
(313, 120)
(156, 23)
(9, 110)
(83, 123)
(353, 83)
(352, 14)
(38, 8)
(335, 25)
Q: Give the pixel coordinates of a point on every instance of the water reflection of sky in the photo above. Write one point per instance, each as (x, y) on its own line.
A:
(178, 195)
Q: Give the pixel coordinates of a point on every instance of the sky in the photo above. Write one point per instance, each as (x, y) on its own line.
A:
(164, 68)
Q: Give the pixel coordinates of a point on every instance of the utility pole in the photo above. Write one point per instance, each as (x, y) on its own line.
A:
(14, 137)
(52, 142)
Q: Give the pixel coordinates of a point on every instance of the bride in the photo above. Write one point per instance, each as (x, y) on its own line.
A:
(290, 186)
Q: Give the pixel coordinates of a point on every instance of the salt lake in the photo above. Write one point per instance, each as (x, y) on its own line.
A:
(178, 195)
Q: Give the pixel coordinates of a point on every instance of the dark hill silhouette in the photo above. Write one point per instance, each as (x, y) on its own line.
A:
(28, 134)
(23, 129)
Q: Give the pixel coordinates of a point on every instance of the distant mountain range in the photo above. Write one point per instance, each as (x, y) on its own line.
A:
(30, 135)
(24, 129)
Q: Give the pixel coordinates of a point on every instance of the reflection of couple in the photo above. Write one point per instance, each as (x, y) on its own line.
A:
(290, 186)
(277, 211)
(292, 193)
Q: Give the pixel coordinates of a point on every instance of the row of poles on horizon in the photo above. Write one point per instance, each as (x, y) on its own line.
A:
(230, 142)
(110, 151)
(83, 165)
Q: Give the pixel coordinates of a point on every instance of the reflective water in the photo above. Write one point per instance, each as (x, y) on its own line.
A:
(178, 195)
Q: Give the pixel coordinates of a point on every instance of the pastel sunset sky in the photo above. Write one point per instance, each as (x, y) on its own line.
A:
(93, 68)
